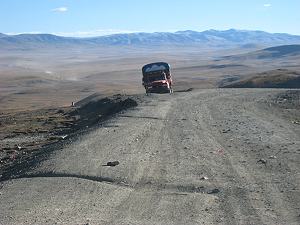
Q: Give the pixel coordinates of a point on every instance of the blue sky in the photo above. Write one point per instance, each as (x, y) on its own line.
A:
(98, 17)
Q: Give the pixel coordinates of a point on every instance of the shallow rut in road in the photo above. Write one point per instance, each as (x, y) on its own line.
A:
(256, 194)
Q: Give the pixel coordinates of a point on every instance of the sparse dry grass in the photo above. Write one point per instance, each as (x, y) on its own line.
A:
(24, 132)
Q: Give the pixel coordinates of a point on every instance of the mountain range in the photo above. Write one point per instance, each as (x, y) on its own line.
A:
(209, 38)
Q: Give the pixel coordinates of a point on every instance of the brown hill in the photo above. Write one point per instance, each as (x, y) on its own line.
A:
(280, 78)
(277, 52)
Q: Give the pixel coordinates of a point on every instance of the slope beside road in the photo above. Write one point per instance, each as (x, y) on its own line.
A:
(203, 157)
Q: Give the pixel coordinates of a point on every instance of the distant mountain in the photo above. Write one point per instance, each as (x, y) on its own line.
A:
(25, 41)
(269, 53)
(209, 38)
(36, 38)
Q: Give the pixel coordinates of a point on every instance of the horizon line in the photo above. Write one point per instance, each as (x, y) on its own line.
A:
(109, 32)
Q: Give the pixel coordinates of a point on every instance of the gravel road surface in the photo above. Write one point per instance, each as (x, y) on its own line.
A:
(219, 156)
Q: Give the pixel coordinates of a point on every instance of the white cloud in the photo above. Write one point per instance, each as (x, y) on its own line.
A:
(267, 5)
(94, 33)
(90, 33)
(29, 32)
(60, 9)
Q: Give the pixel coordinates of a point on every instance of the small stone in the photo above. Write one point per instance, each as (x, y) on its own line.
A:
(63, 137)
(263, 161)
(225, 131)
(273, 157)
(114, 163)
(214, 191)
(204, 178)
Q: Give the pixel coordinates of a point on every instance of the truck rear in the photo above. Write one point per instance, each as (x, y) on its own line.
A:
(157, 78)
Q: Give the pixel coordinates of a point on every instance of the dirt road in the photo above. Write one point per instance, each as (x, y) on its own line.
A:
(201, 157)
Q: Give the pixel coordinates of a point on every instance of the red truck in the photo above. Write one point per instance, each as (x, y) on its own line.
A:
(157, 78)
